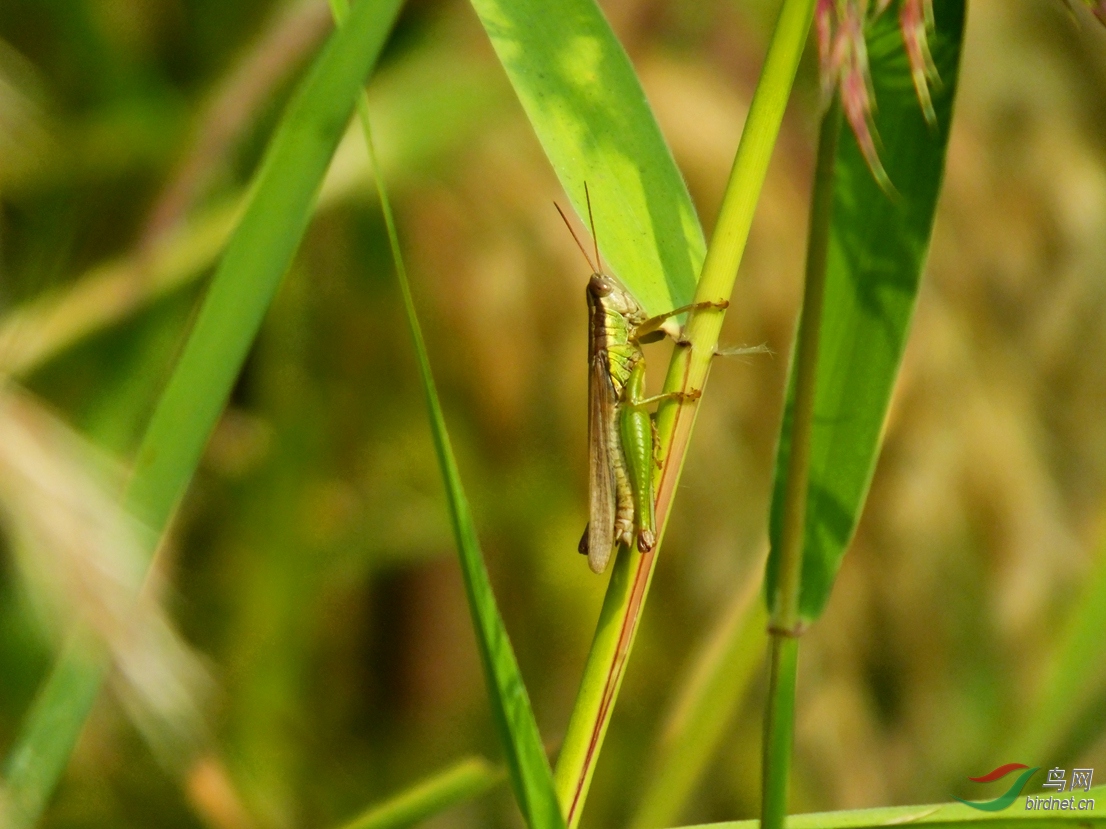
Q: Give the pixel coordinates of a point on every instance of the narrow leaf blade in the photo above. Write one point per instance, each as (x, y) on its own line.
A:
(531, 776)
(877, 249)
(590, 114)
(255, 261)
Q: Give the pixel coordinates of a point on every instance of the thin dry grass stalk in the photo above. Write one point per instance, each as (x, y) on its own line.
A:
(83, 559)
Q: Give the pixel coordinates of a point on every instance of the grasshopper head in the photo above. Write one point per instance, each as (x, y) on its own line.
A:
(610, 292)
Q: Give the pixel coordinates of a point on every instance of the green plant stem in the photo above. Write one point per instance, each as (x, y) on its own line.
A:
(786, 615)
(690, 365)
(632, 574)
(779, 730)
(785, 624)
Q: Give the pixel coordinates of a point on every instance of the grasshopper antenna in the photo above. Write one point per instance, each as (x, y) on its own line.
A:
(594, 238)
(576, 238)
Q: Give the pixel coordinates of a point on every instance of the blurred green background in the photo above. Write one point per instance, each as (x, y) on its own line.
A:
(312, 566)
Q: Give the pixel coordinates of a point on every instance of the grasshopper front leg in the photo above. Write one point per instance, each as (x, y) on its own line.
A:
(657, 328)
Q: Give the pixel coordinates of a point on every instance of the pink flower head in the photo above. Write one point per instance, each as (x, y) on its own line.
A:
(843, 58)
(916, 21)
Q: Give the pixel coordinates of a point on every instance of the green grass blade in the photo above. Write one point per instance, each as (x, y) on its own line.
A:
(952, 815)
(589, 112)
(531, 777)
(256, 259)
(526, 760)
(49, 731)
(784, 627)
(462, 781)
(878, 243)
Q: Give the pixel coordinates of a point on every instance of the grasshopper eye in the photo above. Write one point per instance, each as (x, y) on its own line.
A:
(600, 285)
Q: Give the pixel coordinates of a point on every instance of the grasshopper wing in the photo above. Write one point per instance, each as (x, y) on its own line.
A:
(598, 541)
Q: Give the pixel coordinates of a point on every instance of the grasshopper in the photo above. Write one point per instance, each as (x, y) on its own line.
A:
(621, 440)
